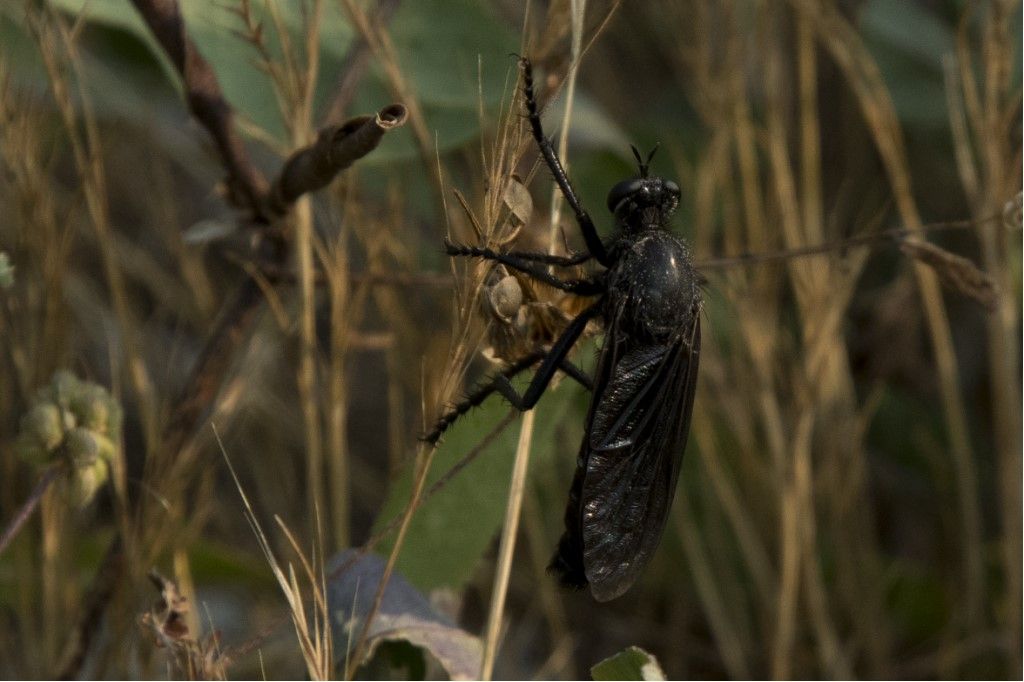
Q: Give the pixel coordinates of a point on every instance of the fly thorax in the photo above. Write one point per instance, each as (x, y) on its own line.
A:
(653, 286)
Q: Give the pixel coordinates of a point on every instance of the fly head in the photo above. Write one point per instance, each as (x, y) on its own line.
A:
(644, 202)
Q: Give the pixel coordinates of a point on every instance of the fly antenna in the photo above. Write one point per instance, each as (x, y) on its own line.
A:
(640, 161)
(651, 156)
(644, 165)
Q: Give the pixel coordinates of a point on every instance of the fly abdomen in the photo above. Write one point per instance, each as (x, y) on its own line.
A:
(567, 563)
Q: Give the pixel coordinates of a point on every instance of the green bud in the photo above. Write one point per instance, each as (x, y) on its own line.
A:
(84, 482)
(82, 446)
(91, 406)
(6, 272)
(64, 387)
(43, 423)
(107, 449)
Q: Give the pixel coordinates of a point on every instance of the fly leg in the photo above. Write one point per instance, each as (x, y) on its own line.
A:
(581, 287)
(590, 236)
(548, 259)
(552, 360)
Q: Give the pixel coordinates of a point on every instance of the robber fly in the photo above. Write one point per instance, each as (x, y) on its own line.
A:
(648, 297)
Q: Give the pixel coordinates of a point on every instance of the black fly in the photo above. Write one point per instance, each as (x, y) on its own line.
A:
(649, 298)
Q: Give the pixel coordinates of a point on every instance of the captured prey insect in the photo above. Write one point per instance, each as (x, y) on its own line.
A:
(648, 297)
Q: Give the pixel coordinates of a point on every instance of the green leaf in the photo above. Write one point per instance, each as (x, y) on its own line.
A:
(908, 43)
(452, 53)
(450, 50)
(452, 530)
(909, 27)
(630, 664)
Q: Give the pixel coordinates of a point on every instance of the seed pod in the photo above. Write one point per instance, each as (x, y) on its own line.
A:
(505, 297)
(518, 201)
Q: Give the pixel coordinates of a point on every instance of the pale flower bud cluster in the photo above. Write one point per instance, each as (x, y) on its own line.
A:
(76, 421)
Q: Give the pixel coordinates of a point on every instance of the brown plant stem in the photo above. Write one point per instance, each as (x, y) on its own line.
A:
(336, 148)
(206, 102)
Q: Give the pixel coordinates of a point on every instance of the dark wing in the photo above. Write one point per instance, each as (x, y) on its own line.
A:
(632, 454)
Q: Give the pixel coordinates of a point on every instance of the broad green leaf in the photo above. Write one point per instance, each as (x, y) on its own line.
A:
(452, 530)
(452, 54)
(909, 42)
(910, 27)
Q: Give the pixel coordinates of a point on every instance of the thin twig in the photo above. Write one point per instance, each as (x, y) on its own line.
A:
(25, 512)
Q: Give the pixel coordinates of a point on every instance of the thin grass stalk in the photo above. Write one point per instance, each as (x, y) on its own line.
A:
(315, 646)
(785, 611)
(810, 132)
(346, 309)
(506, 549)
(578, 9)
(834, 661)
(829, 653)
(307, 368)
(424, 459)
(307, 374)
(337, 395)
(396, 408)
(745, 141)
(187, 587)
(825, 368)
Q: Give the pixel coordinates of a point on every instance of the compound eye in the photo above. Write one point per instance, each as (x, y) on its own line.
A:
(673, 188)
(622, 191)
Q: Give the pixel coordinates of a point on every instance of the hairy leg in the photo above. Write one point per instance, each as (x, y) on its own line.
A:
(590, 236)
(551, 360)
(582, 287)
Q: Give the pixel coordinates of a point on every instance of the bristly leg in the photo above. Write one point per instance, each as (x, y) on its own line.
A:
(580, 287)
(578, 258)
(551, 361)
(590, 236)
